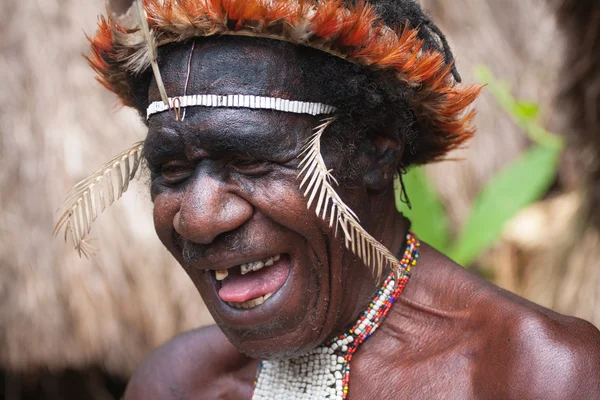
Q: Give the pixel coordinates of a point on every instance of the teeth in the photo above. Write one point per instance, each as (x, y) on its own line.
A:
(245, 268)
(221, 274)
(251, 303)
(257, 265)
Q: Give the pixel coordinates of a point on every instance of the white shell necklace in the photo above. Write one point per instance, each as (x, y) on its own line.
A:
(324, 372)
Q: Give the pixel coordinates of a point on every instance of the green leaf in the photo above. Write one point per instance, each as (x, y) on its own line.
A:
(524, 113)
(428, 216)
(526, 110)
(521, 183)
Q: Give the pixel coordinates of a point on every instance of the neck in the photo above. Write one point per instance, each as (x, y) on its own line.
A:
(388, 225)
(390, 228)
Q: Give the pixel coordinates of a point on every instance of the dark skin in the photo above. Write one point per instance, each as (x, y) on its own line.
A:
(224, 184)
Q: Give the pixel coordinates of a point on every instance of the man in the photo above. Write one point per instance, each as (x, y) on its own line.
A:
(255, 107)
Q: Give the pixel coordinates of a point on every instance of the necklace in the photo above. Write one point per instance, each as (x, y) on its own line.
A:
(324, 372)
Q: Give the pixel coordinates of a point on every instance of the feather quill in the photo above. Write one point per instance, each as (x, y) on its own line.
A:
(80, 209)
(152, 50)
(130, 28)
(317, 184)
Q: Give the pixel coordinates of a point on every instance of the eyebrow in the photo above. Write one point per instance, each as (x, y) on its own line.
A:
(263, 140)
(259, 146)
(164, 144)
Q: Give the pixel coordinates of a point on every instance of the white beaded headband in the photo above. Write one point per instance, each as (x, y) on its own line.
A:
(241, 101)
(81, 206)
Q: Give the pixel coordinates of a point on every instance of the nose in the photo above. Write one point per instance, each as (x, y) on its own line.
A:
(208, 209)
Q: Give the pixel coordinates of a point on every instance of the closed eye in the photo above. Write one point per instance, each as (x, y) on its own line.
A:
(176, 171)
(251, 166)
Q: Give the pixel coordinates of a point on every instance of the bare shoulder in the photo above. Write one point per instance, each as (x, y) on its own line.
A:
(540, 353)
(197, 364)
(508, 346)
(532, 352)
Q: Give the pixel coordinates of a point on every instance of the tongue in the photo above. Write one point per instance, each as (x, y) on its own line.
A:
(239, 288)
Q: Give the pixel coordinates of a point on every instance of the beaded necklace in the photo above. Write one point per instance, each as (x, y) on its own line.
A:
(324, 372)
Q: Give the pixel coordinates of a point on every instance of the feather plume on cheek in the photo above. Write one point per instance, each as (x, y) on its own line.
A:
(318, 186)
(128, 28)
(90, 197)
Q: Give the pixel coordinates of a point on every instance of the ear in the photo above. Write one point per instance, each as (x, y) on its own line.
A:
(385, 159)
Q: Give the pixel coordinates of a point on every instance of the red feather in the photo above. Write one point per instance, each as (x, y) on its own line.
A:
(355, 33)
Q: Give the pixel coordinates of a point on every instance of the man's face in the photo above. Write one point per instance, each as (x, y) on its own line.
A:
(225, 192)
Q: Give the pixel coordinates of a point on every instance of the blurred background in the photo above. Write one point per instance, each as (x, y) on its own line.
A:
(73, 328)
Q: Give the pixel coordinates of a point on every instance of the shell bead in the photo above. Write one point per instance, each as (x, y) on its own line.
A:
(324, 372)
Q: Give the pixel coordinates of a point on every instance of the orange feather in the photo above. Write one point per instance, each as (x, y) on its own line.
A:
(357, 28)
(355, 33)
(325, 22)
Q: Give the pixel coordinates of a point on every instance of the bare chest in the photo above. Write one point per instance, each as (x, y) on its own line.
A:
(448, 375)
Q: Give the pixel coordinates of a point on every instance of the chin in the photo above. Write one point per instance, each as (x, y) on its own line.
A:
(268, 305)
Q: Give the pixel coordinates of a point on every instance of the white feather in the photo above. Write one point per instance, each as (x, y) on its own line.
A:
(317, 184)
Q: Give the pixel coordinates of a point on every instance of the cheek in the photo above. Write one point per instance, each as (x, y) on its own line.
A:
(281, 200)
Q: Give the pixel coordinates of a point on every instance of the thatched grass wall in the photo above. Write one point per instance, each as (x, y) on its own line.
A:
(57, 125)
(551, 252)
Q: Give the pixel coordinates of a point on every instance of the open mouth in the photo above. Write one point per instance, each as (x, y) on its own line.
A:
(250, 285)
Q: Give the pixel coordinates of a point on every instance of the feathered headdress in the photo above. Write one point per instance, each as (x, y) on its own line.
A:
(125, 44)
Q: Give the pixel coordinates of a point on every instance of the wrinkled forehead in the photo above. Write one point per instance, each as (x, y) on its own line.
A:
(240, 65)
